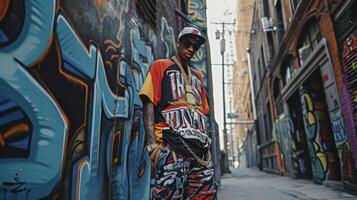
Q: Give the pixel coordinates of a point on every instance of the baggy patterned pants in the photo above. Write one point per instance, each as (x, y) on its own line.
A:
(176, 176)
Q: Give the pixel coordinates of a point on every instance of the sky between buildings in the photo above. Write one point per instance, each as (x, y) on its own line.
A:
(220, 11)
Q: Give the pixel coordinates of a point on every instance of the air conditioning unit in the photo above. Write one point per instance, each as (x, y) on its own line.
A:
(267, 24)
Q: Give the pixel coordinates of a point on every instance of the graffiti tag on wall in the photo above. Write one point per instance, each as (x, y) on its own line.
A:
(196, 12)
(283, 129)
(349, 92)
(70, 114)
(317, 127)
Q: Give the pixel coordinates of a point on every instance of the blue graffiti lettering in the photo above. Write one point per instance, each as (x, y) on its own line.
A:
(36, 176)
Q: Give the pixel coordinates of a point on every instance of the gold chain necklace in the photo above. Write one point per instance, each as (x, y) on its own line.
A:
(198, 159)
(187, 78)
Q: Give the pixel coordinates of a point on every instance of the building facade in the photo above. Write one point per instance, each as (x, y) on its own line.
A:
(306, 103)
(260, 57)
(242, 106)
(71, 124)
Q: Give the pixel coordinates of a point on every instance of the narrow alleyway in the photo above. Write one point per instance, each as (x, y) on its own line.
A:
(252, 184)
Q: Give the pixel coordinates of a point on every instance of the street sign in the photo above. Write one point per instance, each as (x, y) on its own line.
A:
(233, 115)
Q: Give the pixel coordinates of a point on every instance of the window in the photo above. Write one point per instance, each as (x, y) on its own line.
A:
(266, 8)
(183, 6)
(345, 23)
(267, 122)
(277, 96)
(276, 89)
(262, 56)
(309, 39)
(250, 110)
(294, 4)
(286, 71)
(255, 85)
(279, 21)
(183, 10)
(147, 10)
(270, 47)
(263, 130)
(260, 71)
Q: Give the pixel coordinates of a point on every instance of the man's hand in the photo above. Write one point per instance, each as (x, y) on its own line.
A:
(154, 154)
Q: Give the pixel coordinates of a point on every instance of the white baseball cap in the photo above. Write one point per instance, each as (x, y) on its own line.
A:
(193, 33)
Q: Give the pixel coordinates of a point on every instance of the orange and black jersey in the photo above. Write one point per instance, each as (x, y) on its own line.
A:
(164, 86)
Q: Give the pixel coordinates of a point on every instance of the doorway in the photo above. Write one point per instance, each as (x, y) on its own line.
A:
(301, 159)
(322, 149)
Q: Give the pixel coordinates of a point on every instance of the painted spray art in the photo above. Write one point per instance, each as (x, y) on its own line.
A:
(70, 115)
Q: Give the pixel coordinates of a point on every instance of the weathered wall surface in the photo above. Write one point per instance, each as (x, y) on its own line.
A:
(70, 115)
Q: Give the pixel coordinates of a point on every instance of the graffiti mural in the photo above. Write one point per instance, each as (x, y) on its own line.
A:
(44, 145)
(322, 149)
(349, 105)
(70, 115)
(283, 129)
(167, 35)
(197, 14)
(141, 58)
(333, 104)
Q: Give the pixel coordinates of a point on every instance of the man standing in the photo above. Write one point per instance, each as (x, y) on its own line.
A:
(175, 109)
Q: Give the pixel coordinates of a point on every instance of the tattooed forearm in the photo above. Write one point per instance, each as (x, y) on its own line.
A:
(149, 121)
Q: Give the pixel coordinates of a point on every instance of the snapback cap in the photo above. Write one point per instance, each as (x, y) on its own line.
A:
(191, 32)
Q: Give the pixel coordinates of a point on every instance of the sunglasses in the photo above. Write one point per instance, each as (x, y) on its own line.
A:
(188, 43)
